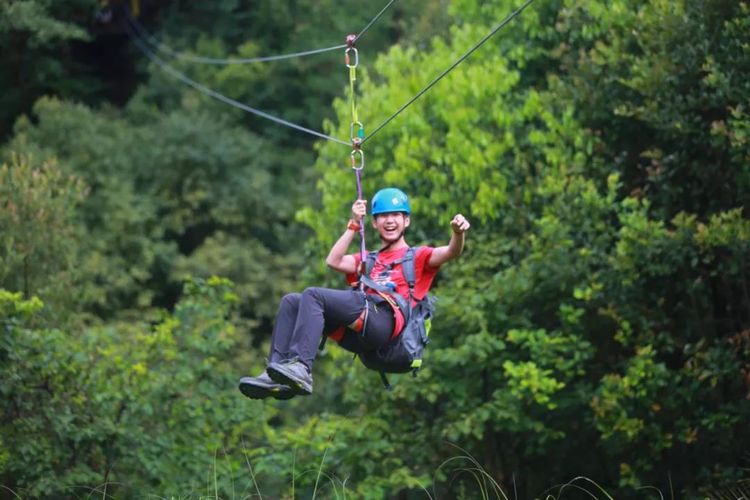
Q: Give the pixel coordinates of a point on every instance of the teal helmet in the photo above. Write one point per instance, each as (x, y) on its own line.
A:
(390, 200)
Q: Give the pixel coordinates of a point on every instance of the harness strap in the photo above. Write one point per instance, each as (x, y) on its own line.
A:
(403, 305)
(358, 325)
(386, 384)
(393, 298)
(407, 266)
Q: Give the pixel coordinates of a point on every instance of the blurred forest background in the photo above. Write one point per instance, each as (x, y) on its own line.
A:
(597, 325)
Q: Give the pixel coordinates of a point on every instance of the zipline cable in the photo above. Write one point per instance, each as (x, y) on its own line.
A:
(374, 19)
(224, 61)
(452, 66)
(221, 97)
(244, 60)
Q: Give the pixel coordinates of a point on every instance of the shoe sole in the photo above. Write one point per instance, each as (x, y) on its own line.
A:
(281, 377)
(259, 392)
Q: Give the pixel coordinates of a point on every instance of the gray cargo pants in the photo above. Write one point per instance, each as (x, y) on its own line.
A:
(303, 319)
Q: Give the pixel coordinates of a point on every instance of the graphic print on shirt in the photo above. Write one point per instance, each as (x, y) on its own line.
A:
(384, 275)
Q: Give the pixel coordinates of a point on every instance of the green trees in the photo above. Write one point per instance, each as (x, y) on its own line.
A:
(159, 186)
(573, 334)
(36, 37)
(103, 407)
(38, 225)
(596, 325)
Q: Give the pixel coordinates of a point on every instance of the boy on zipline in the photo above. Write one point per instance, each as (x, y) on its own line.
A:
(304, 318)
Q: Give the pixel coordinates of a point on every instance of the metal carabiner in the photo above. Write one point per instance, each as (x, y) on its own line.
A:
(360, 130)
(347, 60)
(361, 154)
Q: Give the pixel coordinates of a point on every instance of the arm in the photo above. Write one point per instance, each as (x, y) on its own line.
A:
(337, 258)
(441, 255)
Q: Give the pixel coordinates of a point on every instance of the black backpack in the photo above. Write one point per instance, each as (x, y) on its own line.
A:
(404, 353)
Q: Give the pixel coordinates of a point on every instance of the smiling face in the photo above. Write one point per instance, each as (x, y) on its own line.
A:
(391, 226)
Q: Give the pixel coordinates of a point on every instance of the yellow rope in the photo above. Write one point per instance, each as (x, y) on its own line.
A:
(352, 78)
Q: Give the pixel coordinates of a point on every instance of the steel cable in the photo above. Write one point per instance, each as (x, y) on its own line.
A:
(133, 27)
(374, 20)
(221, 61)
(452, 66)
(144, 35)
(221, 97)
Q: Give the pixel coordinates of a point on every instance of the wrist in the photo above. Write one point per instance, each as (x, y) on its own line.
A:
(353, 225)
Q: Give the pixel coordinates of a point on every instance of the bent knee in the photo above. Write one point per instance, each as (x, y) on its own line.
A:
(312, 291)
(291, 298)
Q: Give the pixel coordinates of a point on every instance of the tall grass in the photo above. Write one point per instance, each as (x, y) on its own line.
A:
(457, 467)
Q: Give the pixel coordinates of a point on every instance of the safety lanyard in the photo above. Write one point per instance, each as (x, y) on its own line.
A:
(356, 134)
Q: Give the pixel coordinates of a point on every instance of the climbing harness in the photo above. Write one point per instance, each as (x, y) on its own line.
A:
(403, 353)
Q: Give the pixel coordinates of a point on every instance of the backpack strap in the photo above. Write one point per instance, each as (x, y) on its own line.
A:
(370, 262)
(402, 303)
(408, 268)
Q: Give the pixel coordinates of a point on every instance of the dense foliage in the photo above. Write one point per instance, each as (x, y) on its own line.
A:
(598, 323)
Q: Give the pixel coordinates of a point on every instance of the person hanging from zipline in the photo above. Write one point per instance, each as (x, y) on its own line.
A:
(361, 319)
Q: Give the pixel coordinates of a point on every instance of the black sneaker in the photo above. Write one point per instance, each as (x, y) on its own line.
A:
(293, 373)
(262, 387)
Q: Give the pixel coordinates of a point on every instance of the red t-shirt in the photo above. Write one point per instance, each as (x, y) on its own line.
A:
(424, 274)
